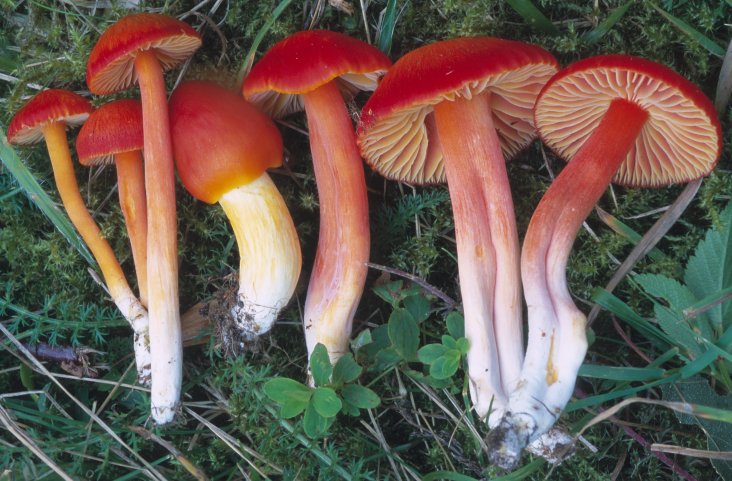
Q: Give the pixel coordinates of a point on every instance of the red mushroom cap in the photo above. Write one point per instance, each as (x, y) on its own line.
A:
(114, 128)
(680, 141)
(306, 60)
(51, 105)
(111, 63)
(220, 141)
(396, 132)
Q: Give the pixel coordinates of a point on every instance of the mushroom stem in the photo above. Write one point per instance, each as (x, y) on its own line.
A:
(63, 172)
(269, 254)
(557, 340)
(162, 251)
(487, 247)
(131, 180)
(339, 271)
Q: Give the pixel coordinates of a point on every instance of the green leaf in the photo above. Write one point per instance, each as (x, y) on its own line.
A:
(604, 27)
(314, 424)
(705, 41)
(404, 334)
(429, 353)
(463, 345)
(362, 339)
(326, 402)
(449, 342)
(388, 22)
(446, 365)
(418, 306)
(320, 365)
(610, 302)
(346, 370)
(455, 324)
(385, 359)
(349, 409)
(360, 396)
(290, 394)
(621, 373)
(533, 16)
(390, 292)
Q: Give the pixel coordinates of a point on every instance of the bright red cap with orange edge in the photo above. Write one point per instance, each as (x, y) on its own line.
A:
(52, 105)
(111, 63)
(396, 133)
(112, 129)
(220, 141)
(306, 60)
(680, 141)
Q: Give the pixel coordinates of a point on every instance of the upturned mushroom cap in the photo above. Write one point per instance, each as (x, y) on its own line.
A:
(306, 60)
(111, 63)
(51, 105)
(113, 128)
(680, 141)
(220, 141)
(397, 135)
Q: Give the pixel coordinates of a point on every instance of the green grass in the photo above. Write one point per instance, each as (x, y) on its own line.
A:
(422, 425)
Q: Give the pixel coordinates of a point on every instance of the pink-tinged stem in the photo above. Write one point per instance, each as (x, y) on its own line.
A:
(487, 248)
(339, 272)
(131, 180)
(162, 254)
(557, 340)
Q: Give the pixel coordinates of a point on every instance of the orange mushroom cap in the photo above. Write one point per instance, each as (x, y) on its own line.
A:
(306, 60)
(52, 105)
(680, 141)
(396, 132)
(111, 63)
(113, 128)
(220, 141)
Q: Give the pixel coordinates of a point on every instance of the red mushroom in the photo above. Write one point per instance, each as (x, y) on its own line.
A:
(453, 109)
(46, 116)
(616, 118)
(138, 48)
(113, 134)
(313, 69)
(223, 146)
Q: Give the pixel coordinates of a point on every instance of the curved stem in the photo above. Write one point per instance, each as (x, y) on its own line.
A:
(131, 186)
(339, 271)
(127, 303)
(487, 247)
(162, 246)
(557, 339)
(269, 254)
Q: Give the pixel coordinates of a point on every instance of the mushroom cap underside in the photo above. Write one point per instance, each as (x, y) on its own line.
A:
(307, 60)
(220, 141)
(52, 105)
(112, 129)
(396, 133)
(680, 141)
(111, 63)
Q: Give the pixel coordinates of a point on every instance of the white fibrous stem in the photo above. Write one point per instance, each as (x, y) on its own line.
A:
(557, 340)
(269, 253)
(487, 249)
(136, 314)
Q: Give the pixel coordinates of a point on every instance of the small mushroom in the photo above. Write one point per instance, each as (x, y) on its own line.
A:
(313, 70)
(616, 118)
(223, 146)
(47, 116)
(140, 47)
(450, 111)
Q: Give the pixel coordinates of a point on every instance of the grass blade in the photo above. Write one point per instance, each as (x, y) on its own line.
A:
(533, 16)
(724, 85)
(387, 24)
(40, 198)
(608, 301)
(615, 373)
(705, 41)
(249, 59)
(619, 227)
(604, 27)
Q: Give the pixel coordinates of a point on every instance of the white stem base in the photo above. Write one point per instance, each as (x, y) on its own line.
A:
(136, 314)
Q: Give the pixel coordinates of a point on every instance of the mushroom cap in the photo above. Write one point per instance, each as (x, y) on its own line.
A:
(396, 133)
(111, 63)
(112, 129)
(52, 105)
(680, 141)
(306, 60)
(220, 141)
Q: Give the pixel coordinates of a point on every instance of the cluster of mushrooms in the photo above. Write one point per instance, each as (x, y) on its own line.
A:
(450, 111)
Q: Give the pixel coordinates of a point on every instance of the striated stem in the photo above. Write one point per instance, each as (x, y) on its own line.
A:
(557, 339)
(487, 247)
(131, 180)
(269, 253)
(339, 271)
(127, 303)
(162, 247)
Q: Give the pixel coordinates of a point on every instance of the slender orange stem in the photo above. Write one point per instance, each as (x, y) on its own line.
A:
(339, 272)
(131, 180)
(162, 248)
